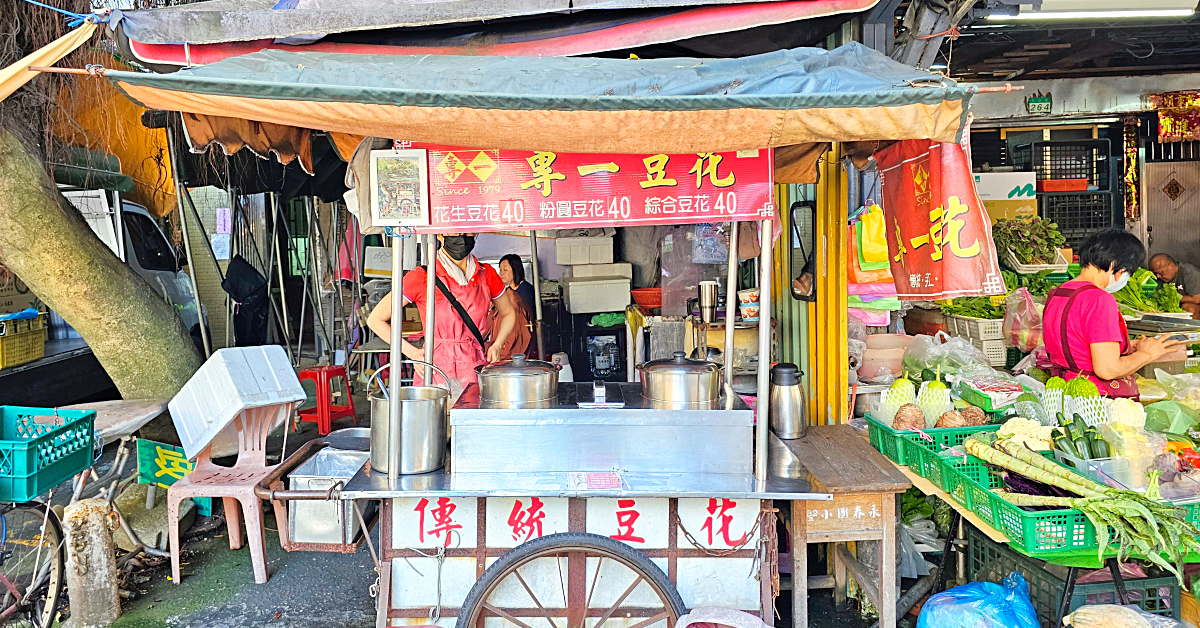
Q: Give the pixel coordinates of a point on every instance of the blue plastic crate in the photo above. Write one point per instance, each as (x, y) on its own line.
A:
(41, 447)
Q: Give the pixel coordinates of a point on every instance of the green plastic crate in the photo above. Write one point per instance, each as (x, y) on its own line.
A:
(1036, 533)
(892, 442)
(41, 447)
(991, 562)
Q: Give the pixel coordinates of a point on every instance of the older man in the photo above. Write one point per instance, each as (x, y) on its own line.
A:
(1186, 278)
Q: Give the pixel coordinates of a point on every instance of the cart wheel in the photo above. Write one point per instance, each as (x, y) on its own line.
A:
(633, 591)
(32, 565)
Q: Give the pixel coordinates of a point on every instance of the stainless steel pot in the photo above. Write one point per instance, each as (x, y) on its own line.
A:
(519, 381)
(421, 439)
(681, 382)
(418, 444)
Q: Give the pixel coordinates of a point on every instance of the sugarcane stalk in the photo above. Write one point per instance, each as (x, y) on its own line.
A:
(1024, 454)
(996, 457)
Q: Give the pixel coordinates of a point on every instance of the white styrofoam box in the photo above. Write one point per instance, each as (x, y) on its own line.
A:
(616, 269)
(232, 380)
(591, 250)
(588, 295)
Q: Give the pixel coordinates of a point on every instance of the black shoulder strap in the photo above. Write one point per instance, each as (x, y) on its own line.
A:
(462, 313)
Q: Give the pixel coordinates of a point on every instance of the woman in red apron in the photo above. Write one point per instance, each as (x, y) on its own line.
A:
(457, 348)
(1083, 329)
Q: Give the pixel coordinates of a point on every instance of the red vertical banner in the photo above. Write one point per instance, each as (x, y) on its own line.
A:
(939, 236)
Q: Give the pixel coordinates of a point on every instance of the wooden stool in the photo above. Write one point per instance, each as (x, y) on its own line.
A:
(864, 486)
(326, 411)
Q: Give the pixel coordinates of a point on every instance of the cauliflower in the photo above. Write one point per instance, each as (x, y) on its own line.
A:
(1127, 412)
(1027, 432)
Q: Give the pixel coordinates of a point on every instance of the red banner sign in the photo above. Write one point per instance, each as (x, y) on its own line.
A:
(474, 190)
(939, 237)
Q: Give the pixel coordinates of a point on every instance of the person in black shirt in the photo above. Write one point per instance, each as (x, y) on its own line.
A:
(512, 273)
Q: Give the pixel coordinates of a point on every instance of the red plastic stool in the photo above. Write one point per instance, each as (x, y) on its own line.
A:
(326, 411)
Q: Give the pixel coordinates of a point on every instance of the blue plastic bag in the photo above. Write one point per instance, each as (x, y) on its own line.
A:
(981, 605)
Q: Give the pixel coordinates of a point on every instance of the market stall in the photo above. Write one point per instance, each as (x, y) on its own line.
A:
(537, 498)
(1058, 478)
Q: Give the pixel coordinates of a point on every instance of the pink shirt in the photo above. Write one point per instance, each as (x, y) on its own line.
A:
(1094, 317)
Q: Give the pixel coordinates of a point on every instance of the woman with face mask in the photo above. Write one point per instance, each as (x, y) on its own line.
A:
(1082, 326)
(457, 349)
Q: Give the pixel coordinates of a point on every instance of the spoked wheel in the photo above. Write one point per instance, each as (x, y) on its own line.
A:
(572, 580)
(32, 559)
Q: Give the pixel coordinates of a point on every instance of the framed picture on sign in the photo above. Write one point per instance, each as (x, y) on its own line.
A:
(400, 188)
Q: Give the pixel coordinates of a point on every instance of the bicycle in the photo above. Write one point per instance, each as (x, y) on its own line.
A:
(32, 564)
(32, 543)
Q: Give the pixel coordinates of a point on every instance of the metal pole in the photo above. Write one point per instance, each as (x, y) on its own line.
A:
(764, 351)
(276, 216)
(731, 301)
(537, 295)
(396, 355)
(315, 273)
(187, 243)
(430, 295)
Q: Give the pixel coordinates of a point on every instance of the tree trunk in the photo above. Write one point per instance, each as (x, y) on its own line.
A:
(137, 337)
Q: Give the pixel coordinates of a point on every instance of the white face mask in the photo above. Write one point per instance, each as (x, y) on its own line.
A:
(1115, 285)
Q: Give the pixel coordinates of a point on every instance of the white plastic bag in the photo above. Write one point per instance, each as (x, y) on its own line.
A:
(941, 352)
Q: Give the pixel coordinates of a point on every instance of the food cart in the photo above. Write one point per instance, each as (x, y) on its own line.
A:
(598, 506)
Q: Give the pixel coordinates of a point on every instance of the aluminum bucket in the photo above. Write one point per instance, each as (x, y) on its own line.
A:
(424, 417)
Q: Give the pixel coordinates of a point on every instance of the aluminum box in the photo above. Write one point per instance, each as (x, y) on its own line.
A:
(636, 438)
(318, 521)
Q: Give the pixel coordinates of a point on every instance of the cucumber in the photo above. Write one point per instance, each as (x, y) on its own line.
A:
(1093, 448)
(1078, 427)
(1064, 444)
(1081, 446)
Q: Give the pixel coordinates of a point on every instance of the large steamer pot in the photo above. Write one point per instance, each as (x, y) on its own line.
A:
(519, 382)
(424, 417)
(679, 382)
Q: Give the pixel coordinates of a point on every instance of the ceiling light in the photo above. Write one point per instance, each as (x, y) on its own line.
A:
(1087, 15)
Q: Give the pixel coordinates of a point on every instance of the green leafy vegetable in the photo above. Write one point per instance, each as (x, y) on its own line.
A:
(1037, 283)
(1167, 298)
(913, 504)
(974, 307)
(1133, 295)
(1031, 239)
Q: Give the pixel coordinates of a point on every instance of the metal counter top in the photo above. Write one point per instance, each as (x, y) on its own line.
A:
(372, 485)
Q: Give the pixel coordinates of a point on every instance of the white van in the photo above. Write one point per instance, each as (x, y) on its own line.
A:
(133, 235)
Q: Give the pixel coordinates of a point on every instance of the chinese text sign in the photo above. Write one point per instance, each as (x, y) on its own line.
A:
(161, 464)
(939, 236)
(474, 190)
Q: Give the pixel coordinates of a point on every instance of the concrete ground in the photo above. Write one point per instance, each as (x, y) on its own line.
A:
(306, 589)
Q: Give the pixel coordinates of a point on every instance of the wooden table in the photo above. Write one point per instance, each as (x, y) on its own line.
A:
(864, 486)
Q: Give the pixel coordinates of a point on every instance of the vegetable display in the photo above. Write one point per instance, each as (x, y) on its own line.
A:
(1135, 523)
(1037, 283)
(1075, 438)
(973, 307)
(1028, 432)
(1165, 298)
(1031, 239)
